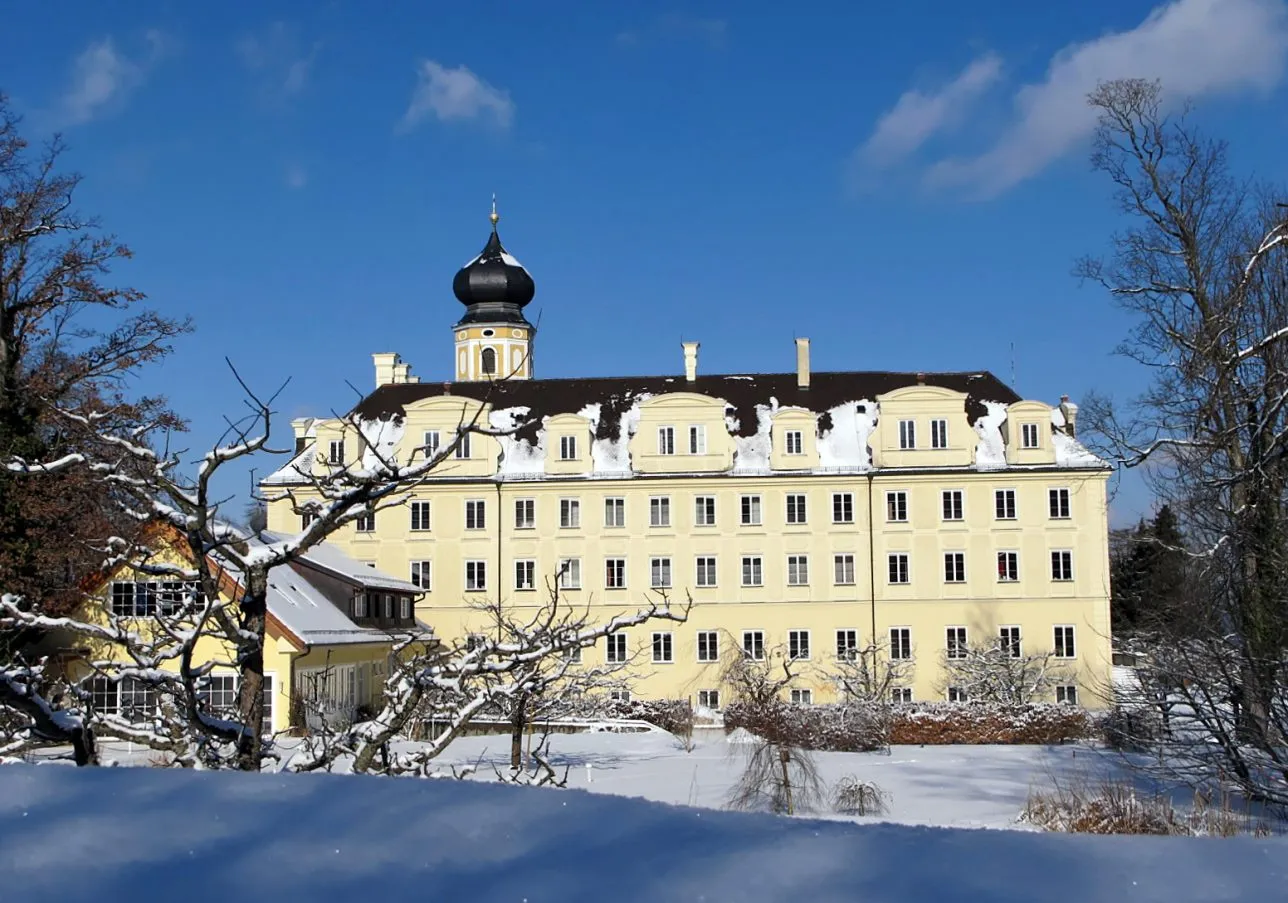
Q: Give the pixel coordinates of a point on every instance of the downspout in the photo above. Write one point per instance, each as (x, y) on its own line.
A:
(872, 563)
(499, 526)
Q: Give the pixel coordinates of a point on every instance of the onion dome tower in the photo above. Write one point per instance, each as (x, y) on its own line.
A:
(493, 338)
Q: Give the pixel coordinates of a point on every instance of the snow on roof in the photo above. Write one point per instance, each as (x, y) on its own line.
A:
(990, 454)
(307, 612)
(295, 470)
(1069, 452)
(331, 560)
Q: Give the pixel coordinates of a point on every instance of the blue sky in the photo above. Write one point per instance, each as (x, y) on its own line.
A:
(907, 184)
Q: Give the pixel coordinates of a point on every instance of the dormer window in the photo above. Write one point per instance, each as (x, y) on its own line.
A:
(489, 361)
(666, 440)
(336, 452)
(907, 434)
(697, 439)
(1029, 436)
(433, 441)
(795, 442)
(939, 434)
(567, 448)
(360, 606)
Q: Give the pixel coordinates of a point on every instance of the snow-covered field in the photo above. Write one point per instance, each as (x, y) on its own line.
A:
(126, 833)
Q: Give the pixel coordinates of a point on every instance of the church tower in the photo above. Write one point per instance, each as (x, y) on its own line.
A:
(493, 340)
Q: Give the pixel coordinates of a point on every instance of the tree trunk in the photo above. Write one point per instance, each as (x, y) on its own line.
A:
(518, 720)
(250, 702)
(784, 758)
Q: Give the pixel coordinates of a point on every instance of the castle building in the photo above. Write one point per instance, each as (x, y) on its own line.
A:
(816, 513)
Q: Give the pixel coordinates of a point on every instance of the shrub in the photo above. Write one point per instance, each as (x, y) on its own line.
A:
(855, 797)
(868, 727)
(1131, 729)
(1115, 807)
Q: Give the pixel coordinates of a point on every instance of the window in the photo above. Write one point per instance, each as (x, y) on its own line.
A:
(795, 443)
(1059, 503)
(567, 448)
(220, 693)
(462, 444)
(475, 514)
(954, 567)
(570, 513)
(956, 642)
(366, 523)
(525, 574)
(796, 508)
(474, 641)
(953, 504)
(138, 700)
(900, 644)
(616, 651)
(901, 695)
(843, 569)
(570, 573)
(1008, 566)
(752, 572)
(666, 440)
(939, 434)
(420, 515)
(957, 694)
(709, 699)
(614, 512)
(405, 608)
(433, 442)
(1062, 565)
(1066, 694)
(336, 452)
(899, 568)
(476, 575)
(1004, 504)
(1029, 436)
(420, 574)
(489, 361)
(708, 646)
(1008, 640)
(525, 514)
(842, 507)
(102, 693)
(615, 573)
(389, 606)
(907, 434)
(133, 599)
(662, 648)
(360, 609)
(704, 511)
(753, 645)
(706, 570)
(266, 696)
(897, 507)
(797, 570)
(307, 518)
(750, 511)
(659, 573)
(798, 644)
(802, 697)
(619, 695)
(1064, 647)
(697, 440)
(847, 645)
(659, 511)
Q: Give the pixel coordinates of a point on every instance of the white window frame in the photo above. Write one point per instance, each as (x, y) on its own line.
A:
(1059, 503)
(707, 569)
(753, 645)
(798, 570)
(954, 567)
(567, 448)
(476, 514)
(1004, 504)
(615, 652)
(659, 570)
(422, 573)
(749, 511)
(939, 433)
(476, 575)
(569, 513)
(1008, 566)
(1030, 436)
(709, 699)
(525, 514)
(798, 645)
(704, 511)
(659, 511)
(525, 574)
(666, 440)
(462, 450)
(843, 569)
(898, 566)
(615, 512)
(432, 444)
(365, 523)
(802, 696)
(907, 435)
(1062, 566)
(900, 695)
(797, 508)
(753, 570)
(956, 694)
(896, 506)
(956, 639)
(1066, 694)
(842, 507)
(421, 519)
(335, 452)
(1064, 647)
(665, 640)
(953, 505)
(697, 439)
(1010, 639)
(570, 573)
(794, 442)
(900, 644)
(708, 646)
(614, 573)
(847, 644)
(405, 610)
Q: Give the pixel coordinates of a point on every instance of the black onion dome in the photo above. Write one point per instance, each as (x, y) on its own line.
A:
(493, 286)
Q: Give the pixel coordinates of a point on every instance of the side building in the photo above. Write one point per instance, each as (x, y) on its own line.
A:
(812, 512)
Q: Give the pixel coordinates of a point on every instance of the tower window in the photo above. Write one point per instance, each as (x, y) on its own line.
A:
(489, 361)
(488, 333)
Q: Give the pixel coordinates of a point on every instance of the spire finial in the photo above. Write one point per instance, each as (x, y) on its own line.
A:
(494, 217)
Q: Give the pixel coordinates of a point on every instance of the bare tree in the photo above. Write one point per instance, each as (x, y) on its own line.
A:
(869, 675)
(533, 658)
(1203, 267)
(1002, 672)
(779, 773)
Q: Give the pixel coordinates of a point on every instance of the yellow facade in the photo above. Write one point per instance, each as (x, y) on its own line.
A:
(801, 586)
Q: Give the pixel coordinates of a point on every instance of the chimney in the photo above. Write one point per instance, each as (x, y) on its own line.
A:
(301, 427)
(402, 374)
(1070, 412)
(921, 378)
(802, 363)
(690, 360)
(386, 363)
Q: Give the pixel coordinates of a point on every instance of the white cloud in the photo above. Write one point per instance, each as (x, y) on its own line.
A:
(275, 53)
(455, 94)
(1194, 47)
(103, 76)
(296, 176)
(917, 116)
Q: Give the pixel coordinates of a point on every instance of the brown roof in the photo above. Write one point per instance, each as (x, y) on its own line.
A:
(615, 394)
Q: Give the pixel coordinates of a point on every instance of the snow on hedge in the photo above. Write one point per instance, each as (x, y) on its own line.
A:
(132, 834)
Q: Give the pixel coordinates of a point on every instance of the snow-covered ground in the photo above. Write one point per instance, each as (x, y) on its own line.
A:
(135, 834)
